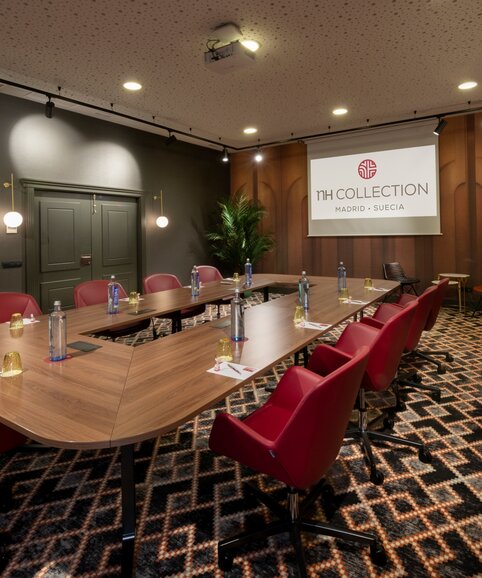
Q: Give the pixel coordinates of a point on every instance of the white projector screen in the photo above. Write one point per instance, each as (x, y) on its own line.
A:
(379, 182)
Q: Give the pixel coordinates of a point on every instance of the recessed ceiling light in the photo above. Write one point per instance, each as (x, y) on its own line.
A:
(467, 85)
(132, 85)
(340, 111)
(250, 130)
(251, 45)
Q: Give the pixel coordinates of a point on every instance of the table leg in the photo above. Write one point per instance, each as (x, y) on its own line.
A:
(128, 490)
(266, 294)
(459, 286)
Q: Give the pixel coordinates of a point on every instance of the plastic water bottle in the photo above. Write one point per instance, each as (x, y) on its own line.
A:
(57, 333)
(341, 277)
(304, 291)
(248, 273)
(195, 282)
(113, 296)
(237, 317)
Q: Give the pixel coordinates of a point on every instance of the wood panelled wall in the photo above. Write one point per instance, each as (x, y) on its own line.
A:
(280, 184)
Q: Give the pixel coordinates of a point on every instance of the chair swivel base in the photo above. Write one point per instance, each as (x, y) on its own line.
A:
(414, 382)
(4, 541)
(291, 521)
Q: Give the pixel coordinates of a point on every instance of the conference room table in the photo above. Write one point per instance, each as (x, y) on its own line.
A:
(117, 395)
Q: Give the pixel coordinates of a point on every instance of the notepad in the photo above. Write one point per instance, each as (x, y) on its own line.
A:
(234, 370)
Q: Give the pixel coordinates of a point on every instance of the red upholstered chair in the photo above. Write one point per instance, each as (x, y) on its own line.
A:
(26, 305)
(95, 292)
(17, 303)
(425, 304)
(442, 288)
(386, 345)
(163, 282)
(207, 274)
(294, 437)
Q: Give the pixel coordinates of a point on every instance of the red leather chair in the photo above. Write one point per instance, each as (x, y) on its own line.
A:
(425, 304)
(386, 345)
(442, 288)
(207, 274)
(95, 292)
(163, 282)
(17, 303)
(294, 437)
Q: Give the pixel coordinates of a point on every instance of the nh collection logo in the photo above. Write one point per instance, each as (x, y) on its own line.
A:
(367, 169)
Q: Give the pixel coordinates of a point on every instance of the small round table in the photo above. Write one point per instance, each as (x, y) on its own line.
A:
(461, 279)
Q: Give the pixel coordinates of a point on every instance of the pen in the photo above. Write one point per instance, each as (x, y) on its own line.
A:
(234, 368)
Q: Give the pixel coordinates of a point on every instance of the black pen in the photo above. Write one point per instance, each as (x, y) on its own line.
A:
(234, 369)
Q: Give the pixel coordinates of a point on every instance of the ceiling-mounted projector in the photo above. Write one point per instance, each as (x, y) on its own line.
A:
(229, 57)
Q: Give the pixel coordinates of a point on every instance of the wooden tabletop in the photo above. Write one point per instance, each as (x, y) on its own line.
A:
(117, 394)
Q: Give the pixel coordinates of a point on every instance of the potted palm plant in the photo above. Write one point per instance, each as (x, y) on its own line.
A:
(236, 237)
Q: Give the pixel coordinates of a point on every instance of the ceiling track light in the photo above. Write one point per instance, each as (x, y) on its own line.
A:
(49, 107)
(171, 138)
(440, 126)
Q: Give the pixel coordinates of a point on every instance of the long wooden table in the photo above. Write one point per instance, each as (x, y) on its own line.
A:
(118, 395)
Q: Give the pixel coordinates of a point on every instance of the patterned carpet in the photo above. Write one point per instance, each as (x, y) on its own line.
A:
(65, 517)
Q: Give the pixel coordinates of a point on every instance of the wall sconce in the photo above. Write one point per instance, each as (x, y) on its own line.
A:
(161, 221)
(12, 219)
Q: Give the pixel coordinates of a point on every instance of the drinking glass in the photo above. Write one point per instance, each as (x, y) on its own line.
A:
(133, 298)
(343, 296)
(299, 316)
(368, 283)
(12, 364)
(223, 350)
(16, 321)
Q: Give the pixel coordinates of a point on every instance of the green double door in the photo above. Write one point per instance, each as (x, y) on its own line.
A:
(78, 237)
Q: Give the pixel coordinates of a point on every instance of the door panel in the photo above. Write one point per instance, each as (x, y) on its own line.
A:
(81, 237)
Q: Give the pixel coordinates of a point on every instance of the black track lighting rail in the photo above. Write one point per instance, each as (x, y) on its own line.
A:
(223, 146)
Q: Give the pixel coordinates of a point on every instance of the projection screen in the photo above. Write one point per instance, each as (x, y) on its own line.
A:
(375, 182)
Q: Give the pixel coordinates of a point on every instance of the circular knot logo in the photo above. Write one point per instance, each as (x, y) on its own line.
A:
(367, 169)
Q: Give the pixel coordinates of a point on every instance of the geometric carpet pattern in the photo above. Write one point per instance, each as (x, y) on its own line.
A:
(64, 521)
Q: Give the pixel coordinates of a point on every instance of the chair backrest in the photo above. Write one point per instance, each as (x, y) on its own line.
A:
(208, 273)
(93, 292)
(442, 287)
(425, 304)
(386, 344)
(23, 303)
(311, 439)
(393, 271)
(160, 282)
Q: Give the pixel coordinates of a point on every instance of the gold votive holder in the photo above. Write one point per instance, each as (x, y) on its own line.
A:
(299, 315)
(343, 295)
(223, 350)
(16, 321)
(368, 284)
(133, 298)
(12, 364)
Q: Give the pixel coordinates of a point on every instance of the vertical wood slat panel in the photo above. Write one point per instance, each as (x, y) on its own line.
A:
(458, 249)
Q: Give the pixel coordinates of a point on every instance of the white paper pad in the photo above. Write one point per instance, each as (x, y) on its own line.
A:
(313, 325)
(379, 289)
(355, 302)
(234, 370)
(127, 299)
(27, 321)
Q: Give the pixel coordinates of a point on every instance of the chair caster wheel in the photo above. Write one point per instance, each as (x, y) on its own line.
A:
(424, 455)
(378, 555)
(436, 396)
(417, 378)
(401, 406)
(225, 562)
(388, 423)
(441, 369)
(449, 358)
(376, 477)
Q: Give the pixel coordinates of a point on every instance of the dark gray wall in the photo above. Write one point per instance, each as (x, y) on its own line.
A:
(76, 149)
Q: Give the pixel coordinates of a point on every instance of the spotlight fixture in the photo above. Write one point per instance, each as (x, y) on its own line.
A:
(258, 157)
(225, 158)
(49, 107)
(440, 126)
(12, 219)
(170, 139)
(161, 221)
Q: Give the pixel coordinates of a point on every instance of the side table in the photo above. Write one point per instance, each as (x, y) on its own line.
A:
(461, 279)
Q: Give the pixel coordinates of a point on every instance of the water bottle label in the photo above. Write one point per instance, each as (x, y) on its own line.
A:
(116, 295)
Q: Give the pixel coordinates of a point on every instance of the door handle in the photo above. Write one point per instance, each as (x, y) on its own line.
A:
(85, 260)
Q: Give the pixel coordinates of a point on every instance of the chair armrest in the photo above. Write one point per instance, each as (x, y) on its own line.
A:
(372, 322)
(386, 310)
(326, 359)
(354, 336)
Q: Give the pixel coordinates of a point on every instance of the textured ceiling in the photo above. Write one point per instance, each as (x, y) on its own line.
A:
(382, 59)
